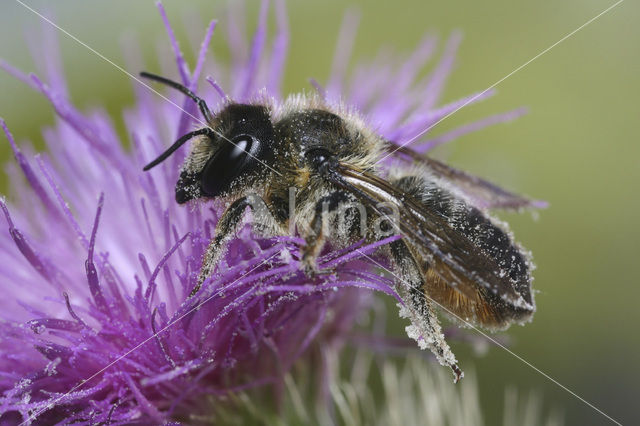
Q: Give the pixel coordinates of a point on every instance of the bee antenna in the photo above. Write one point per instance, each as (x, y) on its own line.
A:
(177, 144)
(204, 109)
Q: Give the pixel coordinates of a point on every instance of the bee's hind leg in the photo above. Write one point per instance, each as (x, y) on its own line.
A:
(226, 228)
(419, 307)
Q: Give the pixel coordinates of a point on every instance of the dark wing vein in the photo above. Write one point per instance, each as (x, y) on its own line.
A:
(453, 256)
(484, 193)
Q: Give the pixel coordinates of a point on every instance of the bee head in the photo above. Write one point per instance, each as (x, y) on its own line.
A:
(236, 151)
(232, 148)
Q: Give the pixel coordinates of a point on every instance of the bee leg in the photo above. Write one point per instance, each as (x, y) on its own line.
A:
(227, 226)
(316, 238)
(419, 307)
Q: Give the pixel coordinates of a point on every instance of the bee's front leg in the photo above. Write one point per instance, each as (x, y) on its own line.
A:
(226, 228)
(318, 229)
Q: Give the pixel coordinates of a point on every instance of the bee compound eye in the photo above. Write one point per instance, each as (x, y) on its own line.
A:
(240, 147)
(235, 156)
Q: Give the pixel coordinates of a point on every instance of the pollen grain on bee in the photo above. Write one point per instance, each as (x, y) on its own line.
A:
(385, 220)
(492, 340)
(385, 223)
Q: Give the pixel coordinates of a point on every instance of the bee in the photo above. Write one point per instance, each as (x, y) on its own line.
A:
(452, 254)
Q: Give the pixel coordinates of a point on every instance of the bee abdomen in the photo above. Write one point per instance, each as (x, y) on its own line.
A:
(492, 238)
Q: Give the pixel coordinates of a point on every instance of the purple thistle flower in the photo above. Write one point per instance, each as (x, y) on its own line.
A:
(98, 259)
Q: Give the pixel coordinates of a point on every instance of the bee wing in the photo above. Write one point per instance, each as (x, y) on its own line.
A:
(460, 262)
(482, 193)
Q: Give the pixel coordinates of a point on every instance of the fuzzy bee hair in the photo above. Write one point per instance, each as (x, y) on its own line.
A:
(303, 164)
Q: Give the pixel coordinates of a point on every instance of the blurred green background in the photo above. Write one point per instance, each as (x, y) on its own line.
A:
(577, 148)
